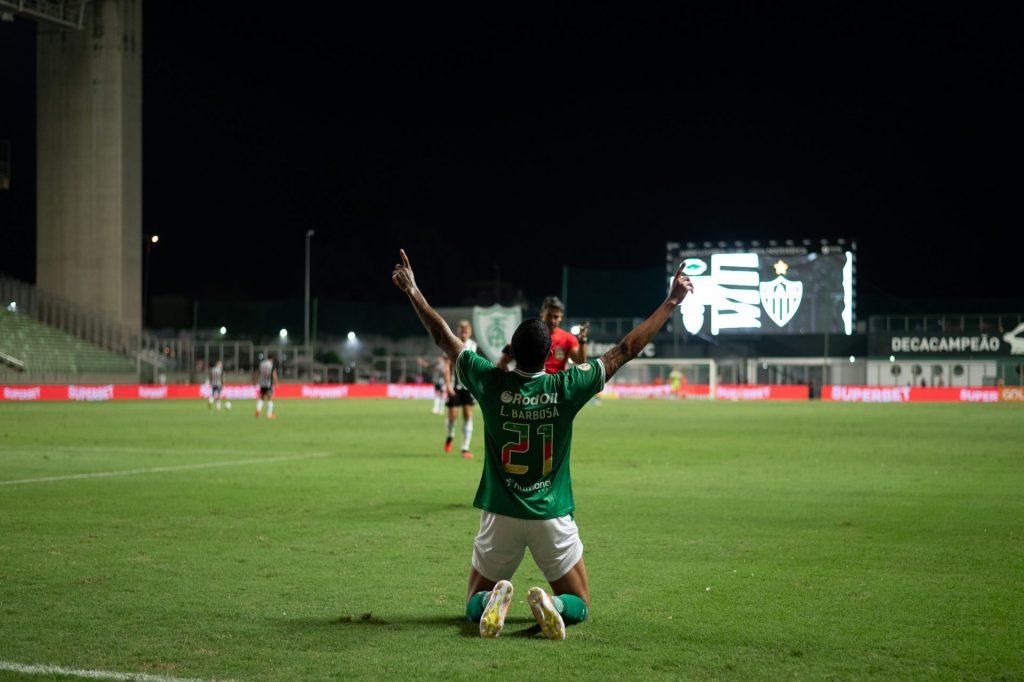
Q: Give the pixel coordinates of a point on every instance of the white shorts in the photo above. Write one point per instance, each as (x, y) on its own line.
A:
(499, 546)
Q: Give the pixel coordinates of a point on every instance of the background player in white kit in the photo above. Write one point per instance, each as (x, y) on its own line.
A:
(217, 385)
(267, 380)
(437, 379)
(459, 395)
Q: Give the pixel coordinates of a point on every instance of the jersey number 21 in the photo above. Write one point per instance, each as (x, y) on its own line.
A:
(546, 433)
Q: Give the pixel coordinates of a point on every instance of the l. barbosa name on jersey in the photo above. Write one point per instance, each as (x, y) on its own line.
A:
(549, 412)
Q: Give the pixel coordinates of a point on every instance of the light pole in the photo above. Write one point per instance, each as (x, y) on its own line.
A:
(309, 233)
(153, 239)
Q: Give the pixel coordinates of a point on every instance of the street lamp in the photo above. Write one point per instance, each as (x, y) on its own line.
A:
(309, 233)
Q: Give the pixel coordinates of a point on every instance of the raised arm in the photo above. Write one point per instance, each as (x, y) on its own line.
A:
(634, 342)
(435, 325)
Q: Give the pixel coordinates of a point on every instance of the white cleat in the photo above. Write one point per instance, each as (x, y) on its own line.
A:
(493, 618)
(547, 617)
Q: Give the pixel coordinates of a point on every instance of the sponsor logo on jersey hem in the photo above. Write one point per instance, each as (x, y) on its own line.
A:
(539, 485)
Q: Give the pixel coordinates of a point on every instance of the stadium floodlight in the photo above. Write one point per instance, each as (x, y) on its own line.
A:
(351, 336)
(283, 333)
(223, 331)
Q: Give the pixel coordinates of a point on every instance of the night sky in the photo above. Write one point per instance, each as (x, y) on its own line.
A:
(509, 146)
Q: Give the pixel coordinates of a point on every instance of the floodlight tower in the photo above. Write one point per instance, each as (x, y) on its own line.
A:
(305, 339)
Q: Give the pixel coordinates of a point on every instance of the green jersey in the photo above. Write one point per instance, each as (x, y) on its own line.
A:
(527, 434)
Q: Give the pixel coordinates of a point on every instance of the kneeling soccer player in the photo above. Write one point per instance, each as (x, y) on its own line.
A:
(525, 492)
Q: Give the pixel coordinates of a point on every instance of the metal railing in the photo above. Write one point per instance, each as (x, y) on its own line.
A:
(992, 323)
(398, 370)
(294, 363)
(605, 327)
(68, 14)
(12, 361)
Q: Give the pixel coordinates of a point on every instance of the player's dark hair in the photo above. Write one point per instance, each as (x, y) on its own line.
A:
(552, 302)
(531, 344)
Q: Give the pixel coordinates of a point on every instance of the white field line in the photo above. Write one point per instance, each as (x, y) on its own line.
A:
(157, 470)
(123, 449)
(94, 674)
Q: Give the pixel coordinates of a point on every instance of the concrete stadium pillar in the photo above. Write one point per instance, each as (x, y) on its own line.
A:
(89, 178)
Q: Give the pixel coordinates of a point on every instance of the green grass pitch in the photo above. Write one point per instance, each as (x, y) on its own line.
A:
(740, 541)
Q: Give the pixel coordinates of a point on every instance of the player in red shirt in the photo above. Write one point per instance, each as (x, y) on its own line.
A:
(564, 345)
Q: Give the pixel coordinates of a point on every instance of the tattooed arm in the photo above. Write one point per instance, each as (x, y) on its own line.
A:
(634, 342)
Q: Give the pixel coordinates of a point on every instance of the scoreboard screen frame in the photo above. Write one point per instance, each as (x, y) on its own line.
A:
(787, 289)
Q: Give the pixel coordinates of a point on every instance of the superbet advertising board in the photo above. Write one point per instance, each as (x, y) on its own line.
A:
(790, 289)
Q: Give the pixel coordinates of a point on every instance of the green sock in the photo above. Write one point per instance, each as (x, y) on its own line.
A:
(476, 605)
(572, 608)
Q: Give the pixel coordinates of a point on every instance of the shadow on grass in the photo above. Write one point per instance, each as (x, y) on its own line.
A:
(514, 627)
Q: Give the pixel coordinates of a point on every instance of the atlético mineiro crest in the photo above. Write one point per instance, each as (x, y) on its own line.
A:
(781, 297)
(493, 328)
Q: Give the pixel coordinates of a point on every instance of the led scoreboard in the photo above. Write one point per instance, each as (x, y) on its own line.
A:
(783, 288)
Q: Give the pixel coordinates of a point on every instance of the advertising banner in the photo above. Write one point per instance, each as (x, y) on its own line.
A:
(197, 391)
(859, 394)
(703, 392)
(634, 391)
(763, 392)
(909, 394)
(1011, 394)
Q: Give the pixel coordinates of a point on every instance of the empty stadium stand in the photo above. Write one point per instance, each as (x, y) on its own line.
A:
(36, 348)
